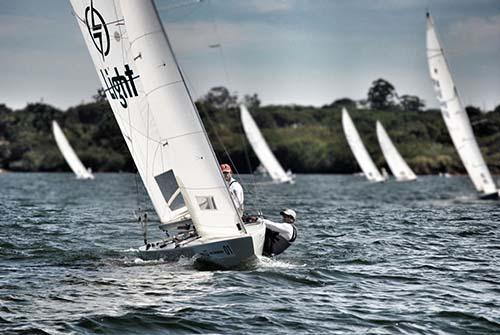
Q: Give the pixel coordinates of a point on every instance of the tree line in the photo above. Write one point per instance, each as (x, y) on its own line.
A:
(305, 139)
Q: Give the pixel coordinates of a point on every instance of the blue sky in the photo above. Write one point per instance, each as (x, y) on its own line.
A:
(287, 51)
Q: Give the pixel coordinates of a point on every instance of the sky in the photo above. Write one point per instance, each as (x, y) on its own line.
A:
(306, 52)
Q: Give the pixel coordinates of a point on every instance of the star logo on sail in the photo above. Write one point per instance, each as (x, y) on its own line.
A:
(97, 29)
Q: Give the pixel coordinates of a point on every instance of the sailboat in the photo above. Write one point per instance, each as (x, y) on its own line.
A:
(397, 164)
(69, 154)
(456, 118)
(262, 150)
(358, 149)
(165, 136)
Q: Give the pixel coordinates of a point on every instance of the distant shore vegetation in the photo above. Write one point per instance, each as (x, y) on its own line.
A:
(305, 139)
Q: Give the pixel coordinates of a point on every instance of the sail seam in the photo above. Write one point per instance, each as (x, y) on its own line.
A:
(164, 85)
(144, 35)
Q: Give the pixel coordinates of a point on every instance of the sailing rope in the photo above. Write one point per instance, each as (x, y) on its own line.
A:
(218, 45)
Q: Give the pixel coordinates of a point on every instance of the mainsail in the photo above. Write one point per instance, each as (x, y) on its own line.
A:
(455, 116)
(69, 154)
(156, 114)
(261, 148)
(397, 164)
(358, 149)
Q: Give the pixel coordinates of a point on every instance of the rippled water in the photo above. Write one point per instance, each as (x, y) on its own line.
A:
(390, 258)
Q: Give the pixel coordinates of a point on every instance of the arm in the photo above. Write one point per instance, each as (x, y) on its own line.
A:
(284, 229)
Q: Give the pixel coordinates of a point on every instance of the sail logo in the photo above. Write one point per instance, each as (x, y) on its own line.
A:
(120, 86)
(97, 29)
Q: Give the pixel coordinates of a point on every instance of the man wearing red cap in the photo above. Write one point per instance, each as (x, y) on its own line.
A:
(234, 187)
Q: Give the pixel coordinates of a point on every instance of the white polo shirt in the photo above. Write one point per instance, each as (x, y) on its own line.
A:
(282, 228)
(236, 191)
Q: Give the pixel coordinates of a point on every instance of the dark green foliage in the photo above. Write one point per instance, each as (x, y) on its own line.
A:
(304, 138)
(382, 95)
(411, 103)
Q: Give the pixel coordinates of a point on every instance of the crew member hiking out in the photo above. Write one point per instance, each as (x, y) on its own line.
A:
(280, 235)
(235, 187)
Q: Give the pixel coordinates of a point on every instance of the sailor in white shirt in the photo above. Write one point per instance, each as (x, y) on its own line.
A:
(235, 188)
(280, 235)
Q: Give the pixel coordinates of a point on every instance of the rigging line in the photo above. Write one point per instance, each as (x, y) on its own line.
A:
(219, 139)
(256, 188)
(219, 46)
(226, 79)
(124, 54)
(198, 117)
(214, 127)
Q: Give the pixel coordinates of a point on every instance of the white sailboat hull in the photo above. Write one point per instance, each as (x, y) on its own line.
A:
(224, 253)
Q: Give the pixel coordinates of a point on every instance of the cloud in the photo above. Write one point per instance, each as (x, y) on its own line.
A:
(476, 35)
(198, 36)
(271, 6)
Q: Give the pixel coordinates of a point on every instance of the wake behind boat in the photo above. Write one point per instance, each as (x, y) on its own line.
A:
(164, 133)
(69, 154)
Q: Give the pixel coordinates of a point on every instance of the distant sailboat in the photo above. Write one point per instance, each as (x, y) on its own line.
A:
(69, 154)
(262, 150)
(358, 149)
(164, 133)
(397, 164)
(261, 170)
(455, 116)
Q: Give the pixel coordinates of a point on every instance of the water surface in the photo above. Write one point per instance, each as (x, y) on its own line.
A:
(415, 258)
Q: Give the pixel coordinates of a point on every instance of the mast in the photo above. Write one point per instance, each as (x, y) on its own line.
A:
(156, 115)
(183, 135)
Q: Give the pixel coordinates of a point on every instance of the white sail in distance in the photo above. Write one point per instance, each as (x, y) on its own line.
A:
(455, 116)
(397, 164)
(156, 115)
(69, 154)
(261, 148)
(359, 150)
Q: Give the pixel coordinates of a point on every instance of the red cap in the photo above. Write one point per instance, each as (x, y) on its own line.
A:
(225, 168)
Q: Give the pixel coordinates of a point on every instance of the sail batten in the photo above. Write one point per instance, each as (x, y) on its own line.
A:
(359, 150)
(261, 148)
(397, 164)
(454, 114)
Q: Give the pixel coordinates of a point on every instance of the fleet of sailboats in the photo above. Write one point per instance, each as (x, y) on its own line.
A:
(455, 116)
(69, 154)
(358, 149)
(399, 168)
(164, 133)
(172, 152)
(262, 150)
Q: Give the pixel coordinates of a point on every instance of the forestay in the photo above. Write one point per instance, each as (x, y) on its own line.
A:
(261, 148)
(156, 115)
(455, 116)
(358, 149)
(69, 154)
(397, 164)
